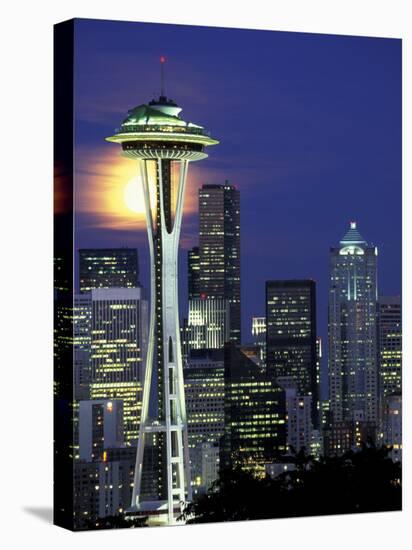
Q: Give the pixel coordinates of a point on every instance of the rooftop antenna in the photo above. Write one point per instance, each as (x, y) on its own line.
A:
(162, 76)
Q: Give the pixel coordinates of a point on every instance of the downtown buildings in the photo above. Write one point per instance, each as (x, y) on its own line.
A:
(236, 384)
(214, 318)
(110, 329)
(118, 349)
(242, 411)
(104, 471)
(253, 414)
(108, 268)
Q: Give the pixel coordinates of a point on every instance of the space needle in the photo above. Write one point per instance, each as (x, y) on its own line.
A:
(163, 144)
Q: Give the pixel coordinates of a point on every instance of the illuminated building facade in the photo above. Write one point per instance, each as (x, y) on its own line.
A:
(291, 335)
(353, 373)
(319, 356)
(255, 415)
(208, 323)
(66, 407)
(392, 425)
(82, 325)
(204, 390)
(259, 337)
(390, 373)
(63, 340)
(219, 249)
(339, 438)
(103, 488)
(348, 435)
(163, 144)
(118, 344)
(390, 345)
(299, 416)
(107, 268)
(317, 446)
(210, 464)
(100, 427)
(61, 277)
(325, 413)
(193, 269)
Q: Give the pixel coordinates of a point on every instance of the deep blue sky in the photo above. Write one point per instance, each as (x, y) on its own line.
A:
(310, 131)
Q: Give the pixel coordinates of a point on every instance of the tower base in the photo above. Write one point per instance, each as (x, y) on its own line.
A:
(156, 513)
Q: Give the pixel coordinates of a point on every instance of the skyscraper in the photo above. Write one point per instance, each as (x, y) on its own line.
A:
(291, 336)
(107, 268)
(255, 415)
(219, 249)
(390, 345)
(204, 390)
(118, 350)
(353, 373)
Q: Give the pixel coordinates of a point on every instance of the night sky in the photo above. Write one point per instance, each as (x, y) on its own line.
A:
(309, 128)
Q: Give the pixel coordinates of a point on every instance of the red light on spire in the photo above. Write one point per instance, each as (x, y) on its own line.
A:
(162, 75)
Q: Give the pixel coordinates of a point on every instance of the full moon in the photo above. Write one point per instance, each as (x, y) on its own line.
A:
(133, 195)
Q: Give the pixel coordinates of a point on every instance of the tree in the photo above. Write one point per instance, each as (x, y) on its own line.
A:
(359, 481)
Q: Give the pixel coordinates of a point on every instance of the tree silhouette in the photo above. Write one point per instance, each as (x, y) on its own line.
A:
(359, 481)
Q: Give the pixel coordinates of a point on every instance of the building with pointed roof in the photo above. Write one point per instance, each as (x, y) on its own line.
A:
(353, 368)
(353, 237)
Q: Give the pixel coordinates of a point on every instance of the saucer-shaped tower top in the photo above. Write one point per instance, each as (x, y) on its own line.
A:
(156, 131)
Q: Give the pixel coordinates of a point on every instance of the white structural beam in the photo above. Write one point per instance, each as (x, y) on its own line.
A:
(175, 424)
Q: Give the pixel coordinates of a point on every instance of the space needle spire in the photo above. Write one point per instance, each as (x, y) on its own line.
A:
(163, 145)
(162, 76)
